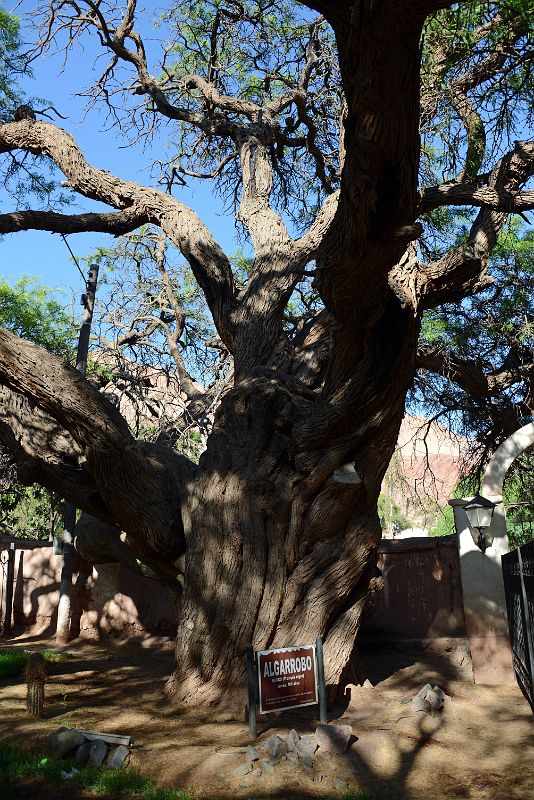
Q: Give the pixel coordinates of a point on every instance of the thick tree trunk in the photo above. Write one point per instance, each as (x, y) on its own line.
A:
(268, 561)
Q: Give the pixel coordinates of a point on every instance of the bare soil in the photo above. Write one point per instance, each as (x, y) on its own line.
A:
(481, 745)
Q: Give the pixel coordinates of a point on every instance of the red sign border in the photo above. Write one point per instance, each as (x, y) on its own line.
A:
(288, 650)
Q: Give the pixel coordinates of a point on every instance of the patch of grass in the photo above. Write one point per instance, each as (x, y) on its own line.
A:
(16, 764)
(13, 662)
(357, 796)
(124, 783)
(54, 658)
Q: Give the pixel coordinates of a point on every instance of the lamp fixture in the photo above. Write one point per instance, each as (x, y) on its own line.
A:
(479, 512)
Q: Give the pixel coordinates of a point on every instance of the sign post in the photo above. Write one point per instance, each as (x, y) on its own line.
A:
(288, 677)
(251, 692)
(320, 670)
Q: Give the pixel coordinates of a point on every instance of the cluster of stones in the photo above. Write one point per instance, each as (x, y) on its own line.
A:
(297, 751)
(429, 698)
(66, 742)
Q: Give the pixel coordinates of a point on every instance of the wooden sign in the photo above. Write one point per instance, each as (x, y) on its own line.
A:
(287, 678)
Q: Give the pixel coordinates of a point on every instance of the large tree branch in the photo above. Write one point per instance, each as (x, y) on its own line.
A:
(473, 194)
(185, 229)
(462, 271)
(117, 223)
(139, 483)
(234, 105)
(471, 375)
(44, 453)
(308, 245)
(101, 543)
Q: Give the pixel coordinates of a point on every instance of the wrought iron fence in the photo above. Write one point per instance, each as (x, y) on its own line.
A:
(518, 574)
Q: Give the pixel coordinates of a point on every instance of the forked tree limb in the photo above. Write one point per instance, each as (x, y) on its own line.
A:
(462, 270)
(470, 375)
(184, 228)
(139, 482)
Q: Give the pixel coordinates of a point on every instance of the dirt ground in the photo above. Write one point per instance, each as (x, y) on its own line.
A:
(481, 745)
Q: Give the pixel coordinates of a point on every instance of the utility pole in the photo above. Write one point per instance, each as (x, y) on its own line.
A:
(65, 589)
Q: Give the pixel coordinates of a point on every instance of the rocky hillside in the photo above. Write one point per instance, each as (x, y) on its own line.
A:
(425, 469)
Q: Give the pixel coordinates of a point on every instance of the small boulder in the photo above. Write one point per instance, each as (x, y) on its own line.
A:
(419, 703)
(307, 762)
(98, 752)
(251, 754)
(82, 754)
(275, 746)
(118, 757)
(292, 739)
(267, 767)
(66, 776)
(242, 769)
(434, 700)
(64, 741)
(428, 699)
(423, 690)
(306, 746)
(333, 738)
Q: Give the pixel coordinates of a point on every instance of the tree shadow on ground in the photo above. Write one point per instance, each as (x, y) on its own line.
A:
(119, 689)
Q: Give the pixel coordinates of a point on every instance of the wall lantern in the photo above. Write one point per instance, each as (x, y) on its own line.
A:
(479, 512)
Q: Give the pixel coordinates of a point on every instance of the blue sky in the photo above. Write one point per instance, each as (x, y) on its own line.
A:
(45, 255)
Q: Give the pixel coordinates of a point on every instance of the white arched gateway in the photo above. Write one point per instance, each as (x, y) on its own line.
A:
(482, 583)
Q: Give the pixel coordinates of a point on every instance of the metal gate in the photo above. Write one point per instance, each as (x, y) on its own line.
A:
(7, 574)
(518, 574)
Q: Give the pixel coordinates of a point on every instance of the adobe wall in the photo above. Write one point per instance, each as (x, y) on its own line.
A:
(109, 599)
(421, 605)
(421, 600)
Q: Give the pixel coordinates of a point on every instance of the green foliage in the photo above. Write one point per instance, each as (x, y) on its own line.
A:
(11, 64)
(444, 524)
(30, 310)
(391, 517)
(30, 512)
(489, 329)
(518, 498)
(464, 39)
(518, 494)
(13, 662)
(17, 764)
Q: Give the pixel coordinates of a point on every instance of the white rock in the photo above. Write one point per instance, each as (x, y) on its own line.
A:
(117, 757)
(333, 738)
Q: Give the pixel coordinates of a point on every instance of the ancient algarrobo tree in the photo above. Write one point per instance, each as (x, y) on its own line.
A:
(271, 539)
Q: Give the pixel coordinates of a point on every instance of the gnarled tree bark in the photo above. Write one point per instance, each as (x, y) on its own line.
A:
(272, 538)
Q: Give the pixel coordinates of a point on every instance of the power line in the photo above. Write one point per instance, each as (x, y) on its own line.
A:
(74, 258)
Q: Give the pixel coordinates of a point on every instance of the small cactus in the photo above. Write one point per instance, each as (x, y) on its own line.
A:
(35, 680)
